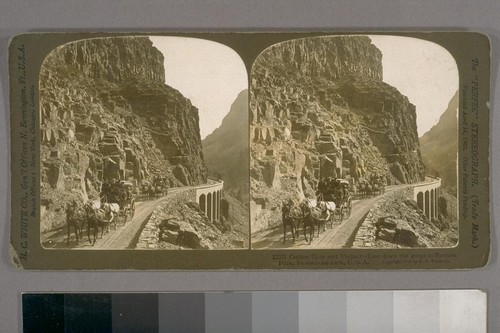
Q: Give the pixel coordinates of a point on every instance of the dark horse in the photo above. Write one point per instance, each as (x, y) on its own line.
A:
(291, 216)
(75, 217)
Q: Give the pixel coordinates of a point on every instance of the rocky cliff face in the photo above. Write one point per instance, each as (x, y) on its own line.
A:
(226, 149)
(112, 59)
(106, 114)
(439, 146)
(319, 109)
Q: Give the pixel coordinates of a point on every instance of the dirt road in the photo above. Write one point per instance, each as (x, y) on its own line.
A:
(336, 236)
(124, 237)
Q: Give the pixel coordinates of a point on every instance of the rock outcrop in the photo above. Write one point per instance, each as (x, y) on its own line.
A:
(397, 222)
(178, 223)
(106, 114)
(439, 146)
(319, 108)
(226, 149)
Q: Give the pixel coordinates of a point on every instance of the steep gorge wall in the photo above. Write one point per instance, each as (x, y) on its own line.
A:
(106, 114)
(319, 108)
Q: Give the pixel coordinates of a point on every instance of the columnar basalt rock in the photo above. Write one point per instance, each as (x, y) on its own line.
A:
(319, 108)
(106, 113)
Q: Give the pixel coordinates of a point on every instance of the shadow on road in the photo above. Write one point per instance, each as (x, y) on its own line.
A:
(58, 239)
(273, 239)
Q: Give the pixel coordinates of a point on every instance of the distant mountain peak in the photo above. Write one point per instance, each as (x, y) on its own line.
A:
(449, 117)
(225, 150)
(439, 145)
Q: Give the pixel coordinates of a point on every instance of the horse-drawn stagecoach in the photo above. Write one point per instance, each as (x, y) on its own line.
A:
(332, 203)
(120, 193)
(92, 214)
(116, 201)
(371, 186)
(158, 186)
(337, 191)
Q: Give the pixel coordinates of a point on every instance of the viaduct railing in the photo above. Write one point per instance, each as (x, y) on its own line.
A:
(208, 197)
(427, 194)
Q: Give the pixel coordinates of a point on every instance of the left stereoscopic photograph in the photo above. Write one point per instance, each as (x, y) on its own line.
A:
(144, 145)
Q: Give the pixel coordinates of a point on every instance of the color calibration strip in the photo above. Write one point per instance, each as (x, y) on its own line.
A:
(259, 312)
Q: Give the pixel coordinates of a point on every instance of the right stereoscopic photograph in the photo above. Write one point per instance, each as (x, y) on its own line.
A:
(353, 144)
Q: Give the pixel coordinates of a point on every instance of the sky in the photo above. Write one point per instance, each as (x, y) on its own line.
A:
(423, 71)
(209, 74)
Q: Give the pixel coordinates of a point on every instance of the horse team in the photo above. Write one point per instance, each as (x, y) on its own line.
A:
(373, 186)
(333, 201)
(93, 214)
(156, 188)
(116, 201)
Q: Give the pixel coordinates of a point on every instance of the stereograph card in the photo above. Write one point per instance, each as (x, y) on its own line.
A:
(250, 150)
